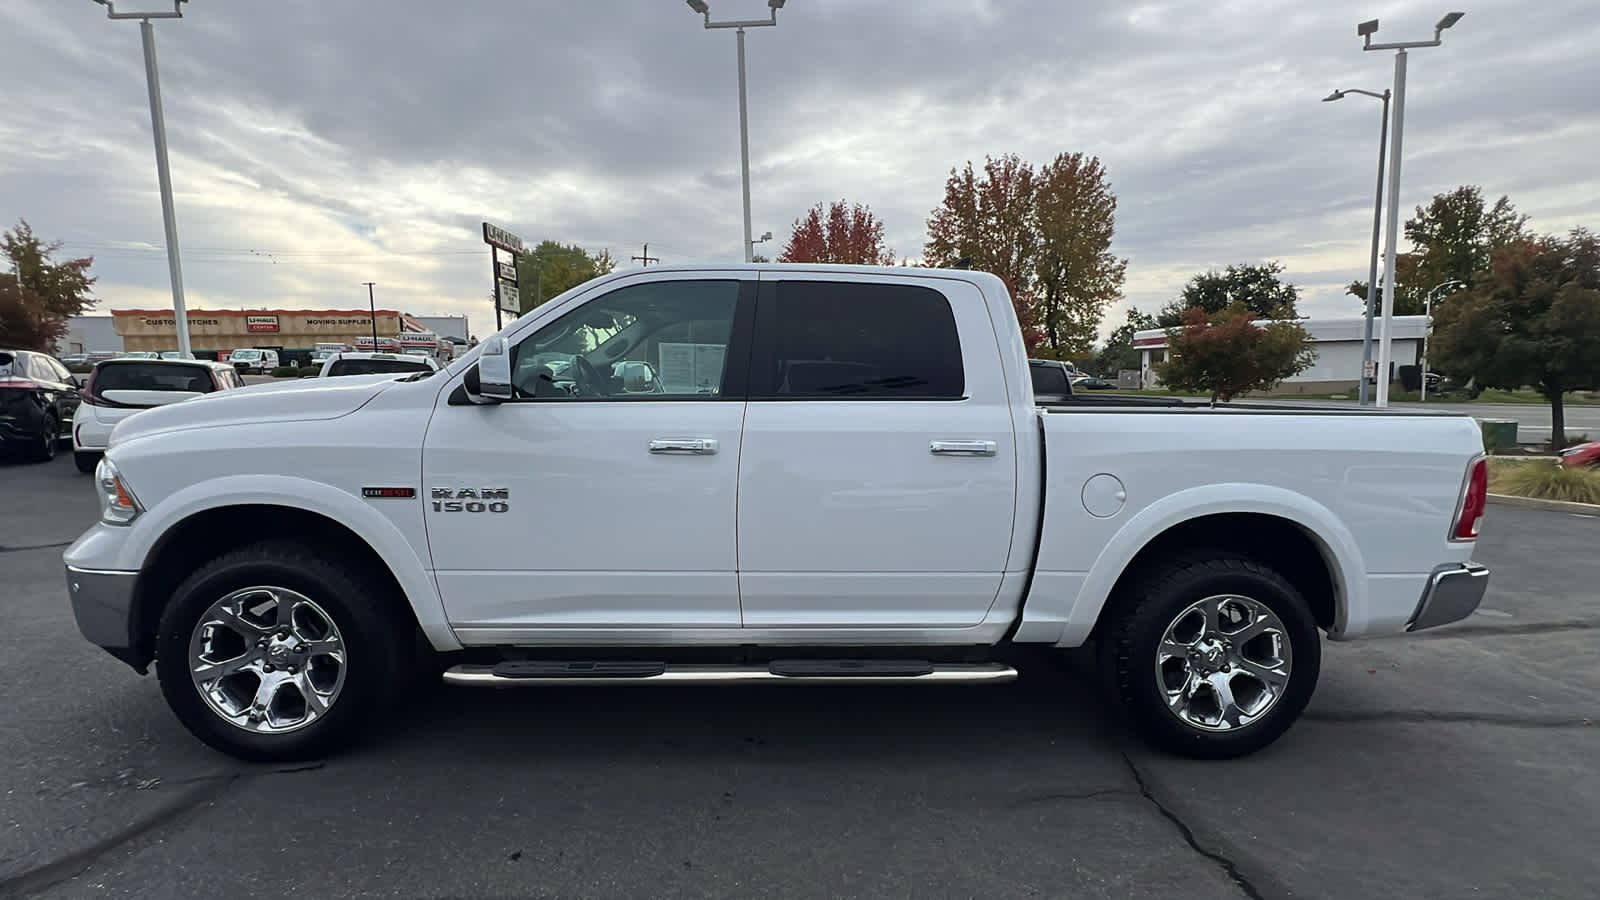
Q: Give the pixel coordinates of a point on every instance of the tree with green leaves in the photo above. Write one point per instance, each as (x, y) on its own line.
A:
(1256, 286)
(1228, 353)
(1533, 318)
(552, 268)
(1076, 274)
(1046, 233)
(1119, 352)
(40, 294)
(1453, 239)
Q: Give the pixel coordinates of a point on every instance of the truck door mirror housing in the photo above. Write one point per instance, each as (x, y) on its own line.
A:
(493, 371)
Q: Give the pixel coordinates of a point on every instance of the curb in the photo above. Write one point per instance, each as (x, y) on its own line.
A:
(1583, 509)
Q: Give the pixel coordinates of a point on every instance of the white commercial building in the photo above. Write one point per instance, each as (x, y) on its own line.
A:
(88, 334)
(1338, 346)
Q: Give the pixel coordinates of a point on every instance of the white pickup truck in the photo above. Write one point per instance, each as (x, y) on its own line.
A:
(760, 474)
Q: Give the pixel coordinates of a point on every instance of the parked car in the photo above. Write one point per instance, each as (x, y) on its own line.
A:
(139, 354)
(1051, 377)
(251, 360)
(176, 354)
(361, 362)
(74, 359)
(118, 388)
(807, 479)
(1579, 455)
(37, 398)
(1091, 383)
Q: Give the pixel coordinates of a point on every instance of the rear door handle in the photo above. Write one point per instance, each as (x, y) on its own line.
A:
(698, 446)
(962, 448)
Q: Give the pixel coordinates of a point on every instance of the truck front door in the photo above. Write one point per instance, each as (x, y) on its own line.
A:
(599, 504)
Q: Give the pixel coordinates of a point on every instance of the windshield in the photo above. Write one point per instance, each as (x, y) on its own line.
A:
(375, 367)
(133, 376)
(10, 365)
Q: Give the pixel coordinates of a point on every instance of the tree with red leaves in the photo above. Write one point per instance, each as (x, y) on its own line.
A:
(1229, 353)
(38, 297)
(837, 232)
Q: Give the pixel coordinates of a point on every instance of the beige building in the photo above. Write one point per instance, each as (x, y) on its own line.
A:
(224, 330)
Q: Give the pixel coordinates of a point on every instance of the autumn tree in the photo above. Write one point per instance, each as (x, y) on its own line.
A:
(1452, 239)
(1533, 318)
(1119, 352)
(40, 295)
(1228, 353)
(552, 268)
(837, 232)
(1046, 234)
(1257, 287)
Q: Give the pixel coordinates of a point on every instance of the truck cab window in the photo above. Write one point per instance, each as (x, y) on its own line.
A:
(848, 340)
(661, 340)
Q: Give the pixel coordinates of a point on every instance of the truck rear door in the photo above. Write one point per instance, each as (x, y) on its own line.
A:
(878, 470)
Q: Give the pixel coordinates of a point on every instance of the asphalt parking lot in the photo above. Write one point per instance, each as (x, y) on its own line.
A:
(1465, 762)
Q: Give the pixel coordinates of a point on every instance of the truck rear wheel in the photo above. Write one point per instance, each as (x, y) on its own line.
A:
(276, 652)
(1213, 658)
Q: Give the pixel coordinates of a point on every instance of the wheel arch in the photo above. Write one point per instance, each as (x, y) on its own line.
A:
(1285, 530)
(206, 520)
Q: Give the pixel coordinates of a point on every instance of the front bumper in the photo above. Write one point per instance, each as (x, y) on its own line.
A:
(102, 602)
(1453, 592)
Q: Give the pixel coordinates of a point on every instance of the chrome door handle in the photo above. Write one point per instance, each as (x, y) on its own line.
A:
(962, 448)
(701, 446)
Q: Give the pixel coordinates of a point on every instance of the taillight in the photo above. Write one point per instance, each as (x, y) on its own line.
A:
(1474, 496)
(19, 383)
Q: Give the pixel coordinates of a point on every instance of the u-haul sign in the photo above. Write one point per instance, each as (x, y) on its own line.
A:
(260, 323)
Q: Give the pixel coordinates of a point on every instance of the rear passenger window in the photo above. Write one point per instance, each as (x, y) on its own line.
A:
(843, 340)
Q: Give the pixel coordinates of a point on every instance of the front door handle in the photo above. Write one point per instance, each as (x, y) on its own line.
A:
(697, 446)
(962, 448)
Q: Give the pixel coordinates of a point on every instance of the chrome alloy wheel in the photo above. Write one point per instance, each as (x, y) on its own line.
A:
(1223, 662)
(267, 659)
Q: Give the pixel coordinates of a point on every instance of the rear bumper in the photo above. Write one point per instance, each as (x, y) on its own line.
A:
(102, 602)
(1452, 593)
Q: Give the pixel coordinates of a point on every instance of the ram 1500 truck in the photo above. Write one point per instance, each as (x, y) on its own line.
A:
(773, 474)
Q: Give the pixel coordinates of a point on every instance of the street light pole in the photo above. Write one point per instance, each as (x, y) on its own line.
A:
(750, 256)
(372, 305)
(1427, 328)
(158, 126)
(1377, 218)
(704, 9)
(1365, 31)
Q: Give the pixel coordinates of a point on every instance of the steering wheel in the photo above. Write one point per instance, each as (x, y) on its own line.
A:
(586, 379)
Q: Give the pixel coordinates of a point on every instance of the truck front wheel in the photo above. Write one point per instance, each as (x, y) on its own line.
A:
(1215, 657)
(277, 652)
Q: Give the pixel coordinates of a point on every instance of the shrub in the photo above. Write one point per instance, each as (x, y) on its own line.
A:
(1544, 480)
(310, 371)
(285, 372)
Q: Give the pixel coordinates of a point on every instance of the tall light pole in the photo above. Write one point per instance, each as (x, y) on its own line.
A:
(751, 254)
(700, 7)
(1377, 217)
(158, 125)
(372, 305)
(1427, 327)
(1365, 31)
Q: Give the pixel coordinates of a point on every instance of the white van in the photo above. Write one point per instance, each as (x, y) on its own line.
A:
(249, 359)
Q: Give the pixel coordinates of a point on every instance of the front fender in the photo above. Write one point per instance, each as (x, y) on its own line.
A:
(1338, 546)
(129, 548)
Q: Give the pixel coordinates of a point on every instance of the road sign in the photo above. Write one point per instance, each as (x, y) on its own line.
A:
(495, 236)
(510, 300)
(508, 272)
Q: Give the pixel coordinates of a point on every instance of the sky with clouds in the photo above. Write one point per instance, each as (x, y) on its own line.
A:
(317, 145)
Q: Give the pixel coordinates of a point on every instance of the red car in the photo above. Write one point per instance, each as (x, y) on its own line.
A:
(1579, 455)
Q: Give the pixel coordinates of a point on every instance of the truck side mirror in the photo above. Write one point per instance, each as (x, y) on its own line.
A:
(493, 373)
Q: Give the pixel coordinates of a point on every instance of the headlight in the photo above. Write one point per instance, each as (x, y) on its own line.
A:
(118, 506)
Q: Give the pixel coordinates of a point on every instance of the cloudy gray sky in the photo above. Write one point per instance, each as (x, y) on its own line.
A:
(316, 145)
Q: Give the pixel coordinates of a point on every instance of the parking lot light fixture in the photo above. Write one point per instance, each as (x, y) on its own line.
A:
(158, 127)
(703, 9)
(1377, 219)
(1365, 31)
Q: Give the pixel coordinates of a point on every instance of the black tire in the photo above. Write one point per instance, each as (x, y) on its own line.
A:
(1129, 648)
(85, 461)
(44, 447)
(357, 601)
